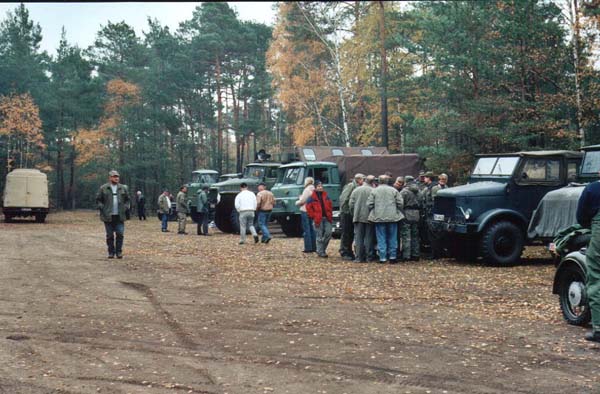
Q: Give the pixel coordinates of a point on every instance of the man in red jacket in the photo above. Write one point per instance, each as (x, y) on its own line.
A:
(320, 209)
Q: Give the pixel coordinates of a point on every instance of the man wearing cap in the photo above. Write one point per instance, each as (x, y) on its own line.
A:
(346, 222)
(112, 201)
(164, 208)
(409, 227)
(363, 230)
(265, 201)
(385, 206)
(182, 209)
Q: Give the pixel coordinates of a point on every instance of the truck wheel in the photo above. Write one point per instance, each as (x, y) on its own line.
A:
(235, 222)
(291, 226)
(223, 215)
(573, 296)
(7, 218)
(40, 218)
(502, 244)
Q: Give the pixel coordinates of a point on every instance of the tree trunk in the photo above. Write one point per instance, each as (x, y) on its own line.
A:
(219, 116)
(575, 27)
(384, 109)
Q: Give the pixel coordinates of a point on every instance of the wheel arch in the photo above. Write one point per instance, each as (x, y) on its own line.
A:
(497, 215)
(573, 259)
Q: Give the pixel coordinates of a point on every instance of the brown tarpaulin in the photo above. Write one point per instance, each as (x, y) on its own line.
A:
(397, 164)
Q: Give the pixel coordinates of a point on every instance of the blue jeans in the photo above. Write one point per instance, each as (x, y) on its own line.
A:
(263, 220)
(387, 240)
(114, 227)
(310, 238)
(164, 221)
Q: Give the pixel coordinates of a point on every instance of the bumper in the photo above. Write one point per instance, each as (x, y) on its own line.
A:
(450, 227)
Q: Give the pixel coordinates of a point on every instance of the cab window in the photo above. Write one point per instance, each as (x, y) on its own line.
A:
(321, 174)
(572, 171)
(541, 170)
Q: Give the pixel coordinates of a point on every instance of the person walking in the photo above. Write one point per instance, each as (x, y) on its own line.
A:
(141, 205)
(385, 205)
(363, 229)
(409, 227)
(265, 201)
(588, 215)
(308, 230)
(320, 209)
(346, 221)
(202, 209)
(245, 204)
(182, 209)
(112, 201)
(164, 209)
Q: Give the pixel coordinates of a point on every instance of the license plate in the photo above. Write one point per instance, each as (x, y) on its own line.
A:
(552, 247)
(438, 217)
(26, 209)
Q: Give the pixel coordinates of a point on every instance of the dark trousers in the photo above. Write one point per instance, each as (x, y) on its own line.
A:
(115, 231)
(347, 235)
(141, 213)
(203, 224)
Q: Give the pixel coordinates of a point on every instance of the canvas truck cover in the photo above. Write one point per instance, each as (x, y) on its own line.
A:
(397, 164)
(555, 212)
(26, 188)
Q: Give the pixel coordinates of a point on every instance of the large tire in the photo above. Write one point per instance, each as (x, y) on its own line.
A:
(40, 217)
(223, 214)
(502, 244)
(7, 218)
(291, 226)
(573, 297)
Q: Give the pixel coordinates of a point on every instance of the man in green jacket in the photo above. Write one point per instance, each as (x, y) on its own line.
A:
(182, 209)
(202, 209)
(346, 221)
(385, 210)
(113, 201)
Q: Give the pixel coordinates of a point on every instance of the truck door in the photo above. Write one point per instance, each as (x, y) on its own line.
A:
(534, 178)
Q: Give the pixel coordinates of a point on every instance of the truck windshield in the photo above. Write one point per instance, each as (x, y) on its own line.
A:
(204, 178)
(254, 172)
(293, 176)
(591, 163)
(495, 165)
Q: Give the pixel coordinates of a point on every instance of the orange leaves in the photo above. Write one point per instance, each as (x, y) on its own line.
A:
(20, 119)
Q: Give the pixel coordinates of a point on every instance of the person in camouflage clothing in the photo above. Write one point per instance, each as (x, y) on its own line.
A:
(426, 206)
(182, 209)
(346, 218)
(409, 227)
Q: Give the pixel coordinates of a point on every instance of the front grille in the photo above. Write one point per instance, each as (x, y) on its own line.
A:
(444, 206)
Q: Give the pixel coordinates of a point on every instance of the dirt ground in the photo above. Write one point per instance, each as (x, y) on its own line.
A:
(191, 314)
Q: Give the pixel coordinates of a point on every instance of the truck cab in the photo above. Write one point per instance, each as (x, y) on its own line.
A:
(222, 194)
(493, 210)
(200, 178)
(290, 185)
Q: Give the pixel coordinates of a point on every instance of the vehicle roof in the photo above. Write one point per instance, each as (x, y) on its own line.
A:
(310, 163)
(264, 164)
(591, 147)
(565, 153)
(205, 171)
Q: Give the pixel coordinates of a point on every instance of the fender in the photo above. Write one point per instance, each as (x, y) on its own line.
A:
(573, 259)
(491, 215)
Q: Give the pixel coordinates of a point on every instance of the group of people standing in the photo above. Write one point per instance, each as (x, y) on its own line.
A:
(380, 220)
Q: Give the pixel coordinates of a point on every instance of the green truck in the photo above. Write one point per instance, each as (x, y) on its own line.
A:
(334, 172)
(199, 178)
(222, 194)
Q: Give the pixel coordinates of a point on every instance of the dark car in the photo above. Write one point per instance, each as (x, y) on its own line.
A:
(489, 216)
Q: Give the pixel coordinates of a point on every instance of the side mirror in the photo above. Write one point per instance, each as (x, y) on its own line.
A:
(524, 176)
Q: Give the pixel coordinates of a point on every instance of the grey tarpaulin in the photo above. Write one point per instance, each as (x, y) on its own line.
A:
(555, 212)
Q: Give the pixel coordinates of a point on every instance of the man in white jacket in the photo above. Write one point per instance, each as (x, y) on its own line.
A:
(245, 204)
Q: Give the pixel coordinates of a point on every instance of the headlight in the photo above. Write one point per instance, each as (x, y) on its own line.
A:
(467, 213)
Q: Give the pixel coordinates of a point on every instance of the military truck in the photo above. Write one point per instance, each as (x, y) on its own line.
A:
(489, 216)
(222, 194)
(554, 217)
(199, 178)
(334, 172)
(25, 194)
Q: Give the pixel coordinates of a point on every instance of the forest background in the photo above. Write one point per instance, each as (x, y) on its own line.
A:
(446, 80)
